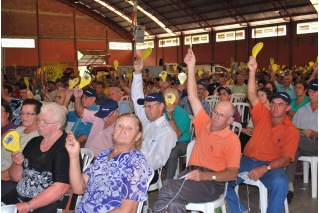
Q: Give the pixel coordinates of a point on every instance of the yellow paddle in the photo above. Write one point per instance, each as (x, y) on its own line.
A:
(11, 141)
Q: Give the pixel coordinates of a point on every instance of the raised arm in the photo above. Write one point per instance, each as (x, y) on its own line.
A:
(194, 101)
(79, 109)
(314, 73)
(251, 90)
(122, 82)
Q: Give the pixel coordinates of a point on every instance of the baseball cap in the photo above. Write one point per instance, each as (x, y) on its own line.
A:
(89, 92)
(202, 82)
(282, 95)
(224, 88)
(107, 106)
(177, 82)
(313, 84)
(151, 97)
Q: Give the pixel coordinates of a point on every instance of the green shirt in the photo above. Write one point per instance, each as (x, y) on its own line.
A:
(294, 106)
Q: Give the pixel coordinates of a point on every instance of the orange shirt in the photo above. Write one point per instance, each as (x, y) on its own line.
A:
(214, 150)
(269, 143)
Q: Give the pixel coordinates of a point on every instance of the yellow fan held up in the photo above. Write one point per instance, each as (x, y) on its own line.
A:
(170, 98)
(26, 81)
(73, 82)
(163, 75)
(182, 77)
(11, 141)
(85, 80)
(311, 63)
(200, 72)
(274, 67)
(175, 66)
(257, 48)
(116, 64)
(146, 53)
(272, 61)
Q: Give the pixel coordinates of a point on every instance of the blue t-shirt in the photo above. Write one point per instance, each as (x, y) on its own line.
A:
(80, 128)
(123, 177)
(182, 121)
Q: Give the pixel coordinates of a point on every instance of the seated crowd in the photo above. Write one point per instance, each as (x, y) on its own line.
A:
(137, 137)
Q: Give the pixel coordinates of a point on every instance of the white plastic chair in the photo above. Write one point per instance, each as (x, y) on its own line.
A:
(154, 186)
(87, 157)
(236, 126)
(212, 103)
(243, 108)
(9, 209)
(127, 99)
(212, 97)
(209, 206)
(140, 205)
(237, 97)
(263, 195)
(313, 160)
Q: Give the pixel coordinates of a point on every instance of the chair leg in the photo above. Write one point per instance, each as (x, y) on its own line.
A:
(314, 170)
(263, 193)
(305, 171)
(224, 209)
(145, 206)
(286, 206)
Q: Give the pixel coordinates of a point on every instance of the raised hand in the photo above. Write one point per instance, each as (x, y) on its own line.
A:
(190, 59)
(252, 64)
(77, 92)
(72, 145)
(138, 66)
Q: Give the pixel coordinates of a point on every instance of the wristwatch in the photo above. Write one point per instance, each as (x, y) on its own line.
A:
(29, 206)
(214, 177)
(268, 167)
(170, 119)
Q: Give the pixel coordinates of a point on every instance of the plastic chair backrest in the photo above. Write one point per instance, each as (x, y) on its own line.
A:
(140, 205)
(237, 97)
(243, 109)
(189, 150)
(9, 209)
(236, 126)
(191, 126)
(87, 157)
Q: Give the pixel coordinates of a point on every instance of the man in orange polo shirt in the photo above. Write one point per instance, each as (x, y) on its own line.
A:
(271, 148)
(215, 157)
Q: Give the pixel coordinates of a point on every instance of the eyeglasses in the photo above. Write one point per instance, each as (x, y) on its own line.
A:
(280, 105)
(219, 115)
(149, 106)
(44, 123)
(26, 113)
(223, 93)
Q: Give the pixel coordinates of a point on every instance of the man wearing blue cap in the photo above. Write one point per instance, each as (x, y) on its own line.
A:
(158, 136)
(306, 120)
(271, 148)
(103, 120)
(82, 130)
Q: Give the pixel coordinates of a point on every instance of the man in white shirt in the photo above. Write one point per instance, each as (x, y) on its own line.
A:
(158, 136)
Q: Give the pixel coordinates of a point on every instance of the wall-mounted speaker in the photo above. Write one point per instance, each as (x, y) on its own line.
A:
(139, 34)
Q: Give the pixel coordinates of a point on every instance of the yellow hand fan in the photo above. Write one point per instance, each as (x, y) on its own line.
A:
(175, 66)
(26, 81)
(272, 61)
(170, 98)
(163, 75)
(311, 63)
(116, 64)
(85, 80)
(200, 72)
(73, 82)
(274, 67)
(182, 77)
(146, 53)
(257, 48)
(11, 141)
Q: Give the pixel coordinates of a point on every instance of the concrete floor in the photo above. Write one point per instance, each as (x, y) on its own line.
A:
(301, 203)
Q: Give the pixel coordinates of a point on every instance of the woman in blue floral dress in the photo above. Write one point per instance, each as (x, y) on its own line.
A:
(117, 179)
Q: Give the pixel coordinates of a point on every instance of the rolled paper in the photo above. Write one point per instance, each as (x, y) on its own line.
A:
(170, 98)
(163, 75)
(146, 53)
(257, 48)
(116, 64)
(182, 77)
(200, 72)
(272, 61)
(311, 63)
(85, 80)
(11, 141)
(274, 67)
(73, 82)
(175, 66)
(26, 81)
